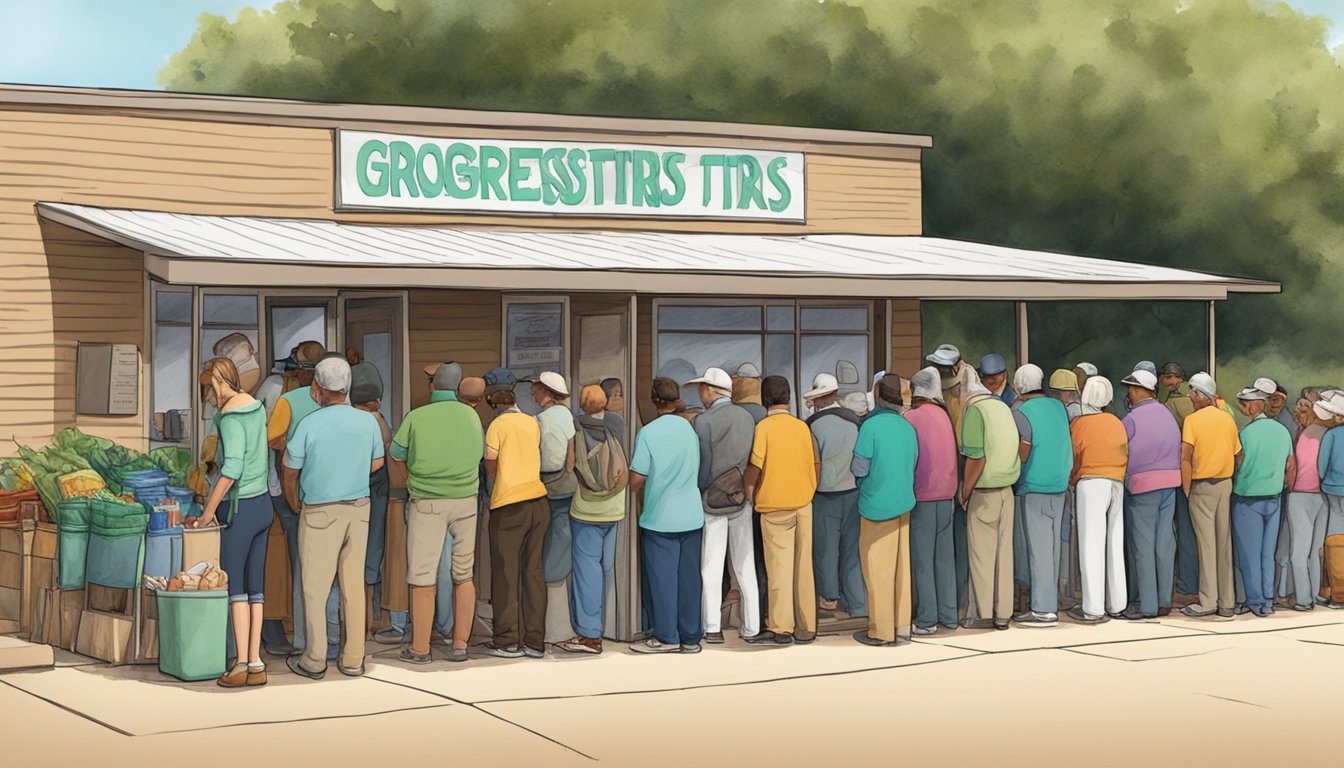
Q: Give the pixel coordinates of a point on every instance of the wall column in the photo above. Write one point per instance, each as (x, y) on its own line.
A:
(1021, 333)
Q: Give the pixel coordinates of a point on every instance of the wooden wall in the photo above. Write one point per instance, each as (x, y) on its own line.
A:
(906, 355)
(60, 288)
(453, 325)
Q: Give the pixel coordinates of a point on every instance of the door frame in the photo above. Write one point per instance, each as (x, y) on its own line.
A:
(403, 297)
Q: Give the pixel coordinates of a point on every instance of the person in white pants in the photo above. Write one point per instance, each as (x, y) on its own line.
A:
(1100, 456)
(726, 432)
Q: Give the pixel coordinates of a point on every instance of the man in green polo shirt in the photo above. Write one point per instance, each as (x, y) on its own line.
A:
(989, 441)
(442, 444)
(884, 463)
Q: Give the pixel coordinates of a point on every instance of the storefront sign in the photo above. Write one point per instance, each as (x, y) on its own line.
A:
(384, 171)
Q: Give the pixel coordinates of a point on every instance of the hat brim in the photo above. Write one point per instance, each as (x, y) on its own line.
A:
(432, 368)
(992, 373)
(821, 392)
(940, 360)
(1132, 383)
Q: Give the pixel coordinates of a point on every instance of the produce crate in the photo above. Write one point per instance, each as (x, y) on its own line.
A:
(106, 636)
(57, 616)
(40, 572)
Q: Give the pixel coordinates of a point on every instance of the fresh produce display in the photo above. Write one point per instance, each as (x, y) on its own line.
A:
(84, 482)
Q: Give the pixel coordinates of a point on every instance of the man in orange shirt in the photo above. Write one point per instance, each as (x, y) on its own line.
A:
(1210, 455)
(781, 479)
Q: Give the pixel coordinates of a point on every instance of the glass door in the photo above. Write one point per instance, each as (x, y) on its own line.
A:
(374, 330)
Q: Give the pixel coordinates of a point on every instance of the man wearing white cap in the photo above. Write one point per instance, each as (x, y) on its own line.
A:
(1210, 451)
(557, 473)
(835, 520)
(328, 461)
(989, 441)
(726, 432)
(1257, 488)
(1047, 459)
(946, 359)
(1152, 480)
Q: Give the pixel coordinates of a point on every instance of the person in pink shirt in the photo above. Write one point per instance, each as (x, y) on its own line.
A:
(1307, 513)
(931, 552)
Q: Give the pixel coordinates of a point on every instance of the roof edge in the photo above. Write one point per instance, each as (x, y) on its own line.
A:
(330, 113)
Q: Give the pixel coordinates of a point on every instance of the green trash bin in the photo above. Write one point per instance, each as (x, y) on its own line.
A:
(192, 626)
(116, 543)
(73, 542)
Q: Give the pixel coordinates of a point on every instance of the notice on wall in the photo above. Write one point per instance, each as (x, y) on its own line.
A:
(387, 171)
(535, 338)
(107, 379)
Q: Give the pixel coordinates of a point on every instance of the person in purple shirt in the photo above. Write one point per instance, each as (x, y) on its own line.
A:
(931, 554)
(1152, 479)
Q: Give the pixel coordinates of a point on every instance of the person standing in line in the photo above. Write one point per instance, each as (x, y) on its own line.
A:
(1257, 494)
(1276, 408)
(1100, 457)
(946, 359)
(664, 469)
(615, 410)
(269, 393)
(835, 508)
(240, 500)
(441, 444)
(993, 372)
(781, 480)
(1210, 452)
(327, 466)
(931, 552)
(989, 441)
(599, 504)
(1084, 371)
(747, 391)
(1152, 481)
(1307, 513)
(1046, 453)
(558, 430)
(1064, 388)
(519, 517)
(366, 393)
(725, 431)
(885, 456)
(1330, 465)
(1174, 393)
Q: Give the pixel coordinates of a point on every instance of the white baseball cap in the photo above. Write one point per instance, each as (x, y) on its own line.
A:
(1141, 378)
(928, 384)
(823, 384)
(1028, 378)
(554, 382)
(715, 377)
(333, 374)
(1205, 384)
(1265, 385)
(945, 354)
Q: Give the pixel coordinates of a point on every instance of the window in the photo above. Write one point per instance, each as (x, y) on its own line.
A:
(289, 326)
(781, 338)
(535, 339)
(171, 372)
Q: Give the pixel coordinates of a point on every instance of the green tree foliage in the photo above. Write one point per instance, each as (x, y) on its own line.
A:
(1204, 134)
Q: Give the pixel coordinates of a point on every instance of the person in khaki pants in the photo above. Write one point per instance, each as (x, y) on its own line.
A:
(990, 442)
(1210, 454)
(327, 465)
(884, 462)
(781, 479)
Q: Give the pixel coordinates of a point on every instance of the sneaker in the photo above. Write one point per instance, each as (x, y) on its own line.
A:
(279, 649)
(654, 645)
(411, 657)
(1000, 624)
(924, 631)
(533, 653)
(714, 638)
(1322, 600)
(1242, 609)
(506, 652)
(691, 648)
(804, 639)
(978, 624)
(766, 637)
(295, 665)
(828, 605)
(456, 654)
(1195, 613)
(1164, 611)
(863, 637)
(1335, 606)
(1263, 612)
(389, 637)
(351, 672)
(1226, 614)
(1035, 620)
(579, 644)
(1078, 615)
(1302, 608)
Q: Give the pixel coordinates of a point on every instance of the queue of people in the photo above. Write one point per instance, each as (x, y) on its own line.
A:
(929, 505)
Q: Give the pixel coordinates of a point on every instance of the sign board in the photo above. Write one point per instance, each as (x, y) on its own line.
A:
(379, 171)
(107, 380)
(535, 338)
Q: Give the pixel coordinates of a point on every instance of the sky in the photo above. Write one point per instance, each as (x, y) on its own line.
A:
(124, 43)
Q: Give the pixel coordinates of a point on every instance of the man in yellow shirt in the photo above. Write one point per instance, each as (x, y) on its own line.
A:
(781, 479)
(1210, 454)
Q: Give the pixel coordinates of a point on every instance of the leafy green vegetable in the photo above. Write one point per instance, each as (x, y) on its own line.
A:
(177, 462)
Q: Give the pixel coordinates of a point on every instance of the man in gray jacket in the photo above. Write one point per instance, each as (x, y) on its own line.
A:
(726, 432)
(835, 521)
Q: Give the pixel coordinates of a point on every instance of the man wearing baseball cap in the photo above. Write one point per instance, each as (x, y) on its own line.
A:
(1064, 388)
(1152, 482)
(835, 530)
(558, 430)
(1047, 459)
(328, 460)
(725, 431)
(993, 372)
(1210, 451)
(1257, 494)
(947, 360)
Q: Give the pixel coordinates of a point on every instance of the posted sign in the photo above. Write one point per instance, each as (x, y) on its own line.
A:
(385, 171)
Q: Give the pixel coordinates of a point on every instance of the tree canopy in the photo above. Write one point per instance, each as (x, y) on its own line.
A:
(1204, 135)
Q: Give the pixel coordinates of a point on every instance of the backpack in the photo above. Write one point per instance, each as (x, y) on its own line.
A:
(601, 466)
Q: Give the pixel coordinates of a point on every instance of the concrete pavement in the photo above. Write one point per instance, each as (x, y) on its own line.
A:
(1162, 692)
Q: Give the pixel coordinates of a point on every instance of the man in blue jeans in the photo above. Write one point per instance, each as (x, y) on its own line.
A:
(1152, 484)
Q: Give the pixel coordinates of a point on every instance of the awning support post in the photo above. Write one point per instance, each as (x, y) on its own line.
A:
(1213, 347)
(1021, 325)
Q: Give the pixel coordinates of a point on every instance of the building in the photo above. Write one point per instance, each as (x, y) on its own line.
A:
(137, 228)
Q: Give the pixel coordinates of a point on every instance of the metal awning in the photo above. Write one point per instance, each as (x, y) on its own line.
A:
(239, 250)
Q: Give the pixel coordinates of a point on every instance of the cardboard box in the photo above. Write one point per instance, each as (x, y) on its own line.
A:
(149, 642)
(105, 636)
(59, 612)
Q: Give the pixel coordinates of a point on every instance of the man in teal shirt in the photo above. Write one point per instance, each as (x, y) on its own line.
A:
(327, 464)
(1046, 452)
(1267, 466)
(884, 463)
(442, 445)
